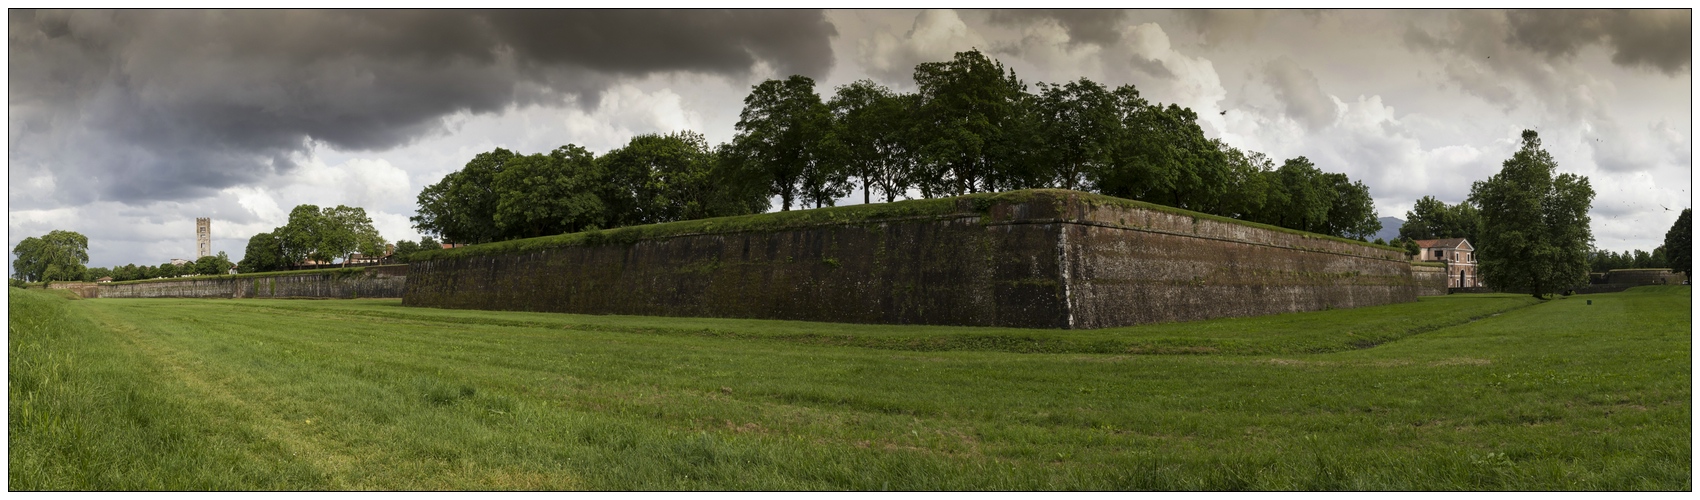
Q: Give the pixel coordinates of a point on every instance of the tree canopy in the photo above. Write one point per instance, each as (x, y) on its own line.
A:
(1534, 233)
(1678, 241)
(1434, 219)
(786, 132)
(56, 256)
(265, 252)
(970, 126)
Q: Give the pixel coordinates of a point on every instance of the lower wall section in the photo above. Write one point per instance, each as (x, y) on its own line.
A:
(955, 271)
(1644, 277)
(82, 289)
(1431, 280)
(369, 282)
(1053, 260)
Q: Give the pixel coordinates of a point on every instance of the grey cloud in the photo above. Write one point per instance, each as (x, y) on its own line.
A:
(1222, 25)
(1659, 39)
(184, 102)
(1152, 67)
(1095, 26)
(1300, 93)
(1479, 55)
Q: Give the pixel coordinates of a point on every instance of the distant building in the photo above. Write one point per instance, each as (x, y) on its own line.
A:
(203, 237)
(179, 262)
(104, 279)
(1459, 257)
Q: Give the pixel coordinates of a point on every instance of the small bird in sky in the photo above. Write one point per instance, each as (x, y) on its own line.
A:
(1224, 112)
(1667, 209)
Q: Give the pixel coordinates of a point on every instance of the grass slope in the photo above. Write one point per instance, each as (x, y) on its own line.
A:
(198, 394)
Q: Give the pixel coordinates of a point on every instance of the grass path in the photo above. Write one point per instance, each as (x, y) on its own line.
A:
(1460, 392)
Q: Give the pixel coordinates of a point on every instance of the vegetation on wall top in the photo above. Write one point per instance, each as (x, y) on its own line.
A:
(970, 204)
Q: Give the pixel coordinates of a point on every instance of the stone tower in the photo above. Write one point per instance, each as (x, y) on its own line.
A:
(203, 237)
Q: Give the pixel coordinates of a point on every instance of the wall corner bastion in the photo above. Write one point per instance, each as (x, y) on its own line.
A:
(1035, 258)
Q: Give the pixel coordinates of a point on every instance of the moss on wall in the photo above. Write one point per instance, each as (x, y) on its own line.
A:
(1037, 258)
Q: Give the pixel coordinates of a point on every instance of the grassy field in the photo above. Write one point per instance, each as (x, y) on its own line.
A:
(1459, 392)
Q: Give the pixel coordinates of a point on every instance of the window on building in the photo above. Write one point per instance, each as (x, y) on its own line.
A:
(1436, 254)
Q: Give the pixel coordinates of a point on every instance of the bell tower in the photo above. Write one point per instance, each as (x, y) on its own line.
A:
(203, 237)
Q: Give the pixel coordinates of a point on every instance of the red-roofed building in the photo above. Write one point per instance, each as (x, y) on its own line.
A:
(1459, 257)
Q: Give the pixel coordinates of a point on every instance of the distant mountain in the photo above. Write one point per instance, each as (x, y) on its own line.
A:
(1389, 229)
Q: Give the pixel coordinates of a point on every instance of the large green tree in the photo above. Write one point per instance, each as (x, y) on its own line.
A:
(302, 234)
(461, 208)
(1246, 192)
(540, 195)
(327, 234)
(665, 178)
(1434, 219)
(1300, 196)
(873, 125)
(967, 124)
(1351, 212)
(350, 230)
(1535, 235)
(405, 249)
(1678, 241)
(1077, 125)
(56, 256)
(265, 252)
(786, 131)
(212, 264)
(1161, 155)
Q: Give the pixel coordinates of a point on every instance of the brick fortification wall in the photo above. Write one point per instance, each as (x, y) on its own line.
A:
(1431, 280)
(368, 282)
(82, 289)
(1044, 258)
(1643, 277)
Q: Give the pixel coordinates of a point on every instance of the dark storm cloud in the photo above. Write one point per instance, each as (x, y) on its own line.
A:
(1093, 26)
(147, 105)
(1659, 39)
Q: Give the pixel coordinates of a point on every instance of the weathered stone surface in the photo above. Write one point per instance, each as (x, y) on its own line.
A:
(84, 290)
(1656, 276)
(1431, 280)
(368, 282)
(1053, 259)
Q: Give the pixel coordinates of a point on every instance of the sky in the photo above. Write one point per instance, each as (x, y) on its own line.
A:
(126, 126)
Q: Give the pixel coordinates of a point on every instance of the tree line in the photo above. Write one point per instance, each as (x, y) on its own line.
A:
(971, 126)
(63, 256)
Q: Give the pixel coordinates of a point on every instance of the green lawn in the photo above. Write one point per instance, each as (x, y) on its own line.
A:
(1460, 392)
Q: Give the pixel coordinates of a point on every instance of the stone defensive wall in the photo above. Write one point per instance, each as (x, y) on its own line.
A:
(1655, 276)
(349, 283)
(1036, 258)
(82, 289)
(1430, 277)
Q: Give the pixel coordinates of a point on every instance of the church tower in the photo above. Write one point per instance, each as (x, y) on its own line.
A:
(203, 237)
